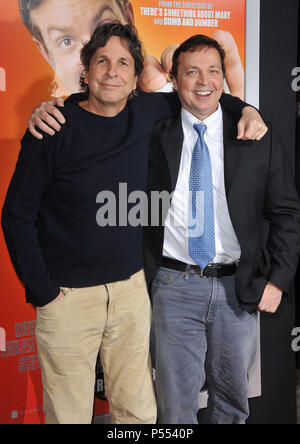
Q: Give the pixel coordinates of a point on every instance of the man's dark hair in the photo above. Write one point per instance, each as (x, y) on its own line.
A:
(26, 6)
(193, 44)
(100, 38)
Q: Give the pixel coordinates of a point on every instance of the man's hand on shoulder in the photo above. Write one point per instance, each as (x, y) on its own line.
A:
(46, 117)
(251, 126)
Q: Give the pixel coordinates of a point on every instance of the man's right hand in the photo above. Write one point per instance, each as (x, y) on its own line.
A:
(47, 118)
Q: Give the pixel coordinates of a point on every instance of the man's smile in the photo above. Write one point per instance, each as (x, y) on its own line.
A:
(203, 93)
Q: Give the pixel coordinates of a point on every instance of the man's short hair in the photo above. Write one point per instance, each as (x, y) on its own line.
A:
(26, 6)
(193, 44)
(100, 38)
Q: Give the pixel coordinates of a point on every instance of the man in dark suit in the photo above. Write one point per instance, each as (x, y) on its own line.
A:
(204, 261)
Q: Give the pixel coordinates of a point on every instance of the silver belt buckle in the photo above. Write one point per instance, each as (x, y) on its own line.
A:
(202, 274)
(202, 271)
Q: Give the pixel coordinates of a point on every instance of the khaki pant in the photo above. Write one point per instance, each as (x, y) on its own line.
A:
(114, 318)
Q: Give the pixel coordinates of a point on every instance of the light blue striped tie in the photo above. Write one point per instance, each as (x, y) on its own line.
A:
(202, 248)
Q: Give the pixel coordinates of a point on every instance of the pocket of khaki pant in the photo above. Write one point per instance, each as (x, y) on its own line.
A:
(138, 280)
(52, 304)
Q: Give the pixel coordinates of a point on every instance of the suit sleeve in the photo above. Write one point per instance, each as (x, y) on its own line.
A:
(298, 154)
(31, 178)
(282, 209)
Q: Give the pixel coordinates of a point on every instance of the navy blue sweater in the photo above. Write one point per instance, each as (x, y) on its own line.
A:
(49, 216)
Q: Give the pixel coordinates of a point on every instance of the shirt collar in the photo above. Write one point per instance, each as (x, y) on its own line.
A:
(213, 122)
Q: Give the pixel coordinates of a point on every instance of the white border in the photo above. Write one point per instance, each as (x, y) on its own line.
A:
(252, 61)
(252, 88)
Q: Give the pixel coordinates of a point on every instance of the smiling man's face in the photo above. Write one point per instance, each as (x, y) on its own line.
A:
(200, 81)
(65, 25)
(111, 75)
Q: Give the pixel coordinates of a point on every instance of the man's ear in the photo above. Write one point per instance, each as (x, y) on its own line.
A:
(85, 76)
(45, 53)
(174, 84)
(129, 13)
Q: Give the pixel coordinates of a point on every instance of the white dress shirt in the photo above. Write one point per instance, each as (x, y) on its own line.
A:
(176, 228)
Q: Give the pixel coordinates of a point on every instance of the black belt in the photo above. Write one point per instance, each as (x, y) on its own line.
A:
(212, 270)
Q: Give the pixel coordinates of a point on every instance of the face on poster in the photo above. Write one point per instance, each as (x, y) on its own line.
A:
(40, 58)
(59, 28)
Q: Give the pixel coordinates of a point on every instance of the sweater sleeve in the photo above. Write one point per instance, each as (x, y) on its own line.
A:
(166, 105)
(233, 104)
(161, 106)
(20, 217)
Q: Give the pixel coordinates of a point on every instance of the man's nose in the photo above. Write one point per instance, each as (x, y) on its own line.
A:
(111, 70)
(203, 78)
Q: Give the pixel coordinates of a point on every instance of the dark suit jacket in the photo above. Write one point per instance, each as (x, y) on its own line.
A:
(259, 185)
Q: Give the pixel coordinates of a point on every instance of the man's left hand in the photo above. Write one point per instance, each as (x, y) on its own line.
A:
(271, 299)
(251, 126)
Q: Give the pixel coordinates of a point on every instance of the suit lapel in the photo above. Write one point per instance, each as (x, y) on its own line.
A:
(231, 157)
(172, 141)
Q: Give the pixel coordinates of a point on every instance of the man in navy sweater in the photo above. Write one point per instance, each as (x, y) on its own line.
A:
(87, 280)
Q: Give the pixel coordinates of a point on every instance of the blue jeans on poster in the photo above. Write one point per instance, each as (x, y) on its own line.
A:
(200, 333)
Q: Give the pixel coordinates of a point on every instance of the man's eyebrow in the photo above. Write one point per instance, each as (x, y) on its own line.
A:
(66, 30)
(55, 28)
(126, 59)
(104, 56)
(197, 67)
(102, 10)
